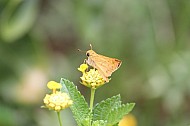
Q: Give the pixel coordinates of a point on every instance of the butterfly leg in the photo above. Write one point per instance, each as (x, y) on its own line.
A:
(84, 61)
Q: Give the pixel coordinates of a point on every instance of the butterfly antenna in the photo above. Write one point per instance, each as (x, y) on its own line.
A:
(90, 46)
(81, 51)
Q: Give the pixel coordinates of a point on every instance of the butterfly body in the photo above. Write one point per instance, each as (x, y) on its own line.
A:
(105, 65)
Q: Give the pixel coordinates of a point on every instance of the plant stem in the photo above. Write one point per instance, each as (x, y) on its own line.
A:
(92, 98)
(58, 114)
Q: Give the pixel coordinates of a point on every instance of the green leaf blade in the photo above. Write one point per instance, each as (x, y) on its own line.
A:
(79, 107)
(102, 109)
(116, 114)
(99, 123)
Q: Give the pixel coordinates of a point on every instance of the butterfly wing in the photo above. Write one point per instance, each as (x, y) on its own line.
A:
(105, 65)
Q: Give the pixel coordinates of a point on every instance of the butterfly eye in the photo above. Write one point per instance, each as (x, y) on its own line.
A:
(87, 54)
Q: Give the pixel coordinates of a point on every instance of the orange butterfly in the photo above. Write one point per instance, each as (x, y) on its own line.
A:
(105, 65)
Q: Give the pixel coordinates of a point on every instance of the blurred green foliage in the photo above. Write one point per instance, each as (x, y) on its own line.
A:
(39, 41)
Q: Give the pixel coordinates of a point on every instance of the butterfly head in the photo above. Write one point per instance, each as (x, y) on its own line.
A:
(90, 53)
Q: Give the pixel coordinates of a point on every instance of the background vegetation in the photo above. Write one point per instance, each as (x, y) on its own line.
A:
(39, 41)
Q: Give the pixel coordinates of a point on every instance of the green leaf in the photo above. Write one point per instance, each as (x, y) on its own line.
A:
(116, 124)
(102, 109)
(99, 123)
(116, 114)
(86, 122)
(79, 107)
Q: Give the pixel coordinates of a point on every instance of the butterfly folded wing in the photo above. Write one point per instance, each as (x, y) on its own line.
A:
(106, 66)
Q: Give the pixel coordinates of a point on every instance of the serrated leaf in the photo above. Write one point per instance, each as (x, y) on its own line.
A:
(116, 114)
(99, 123)
(79, 107)
(86, 122)
(102, 109)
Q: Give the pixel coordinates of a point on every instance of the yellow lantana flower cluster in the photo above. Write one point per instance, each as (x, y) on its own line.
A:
(57, 100)
(91, 78)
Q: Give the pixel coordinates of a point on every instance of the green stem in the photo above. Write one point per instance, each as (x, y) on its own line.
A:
(58, 114)
(92, 98)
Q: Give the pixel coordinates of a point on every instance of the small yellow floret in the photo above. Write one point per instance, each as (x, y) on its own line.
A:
(83, 67)
(54, 85)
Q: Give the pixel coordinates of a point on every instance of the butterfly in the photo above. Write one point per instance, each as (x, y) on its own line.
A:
(105, 65)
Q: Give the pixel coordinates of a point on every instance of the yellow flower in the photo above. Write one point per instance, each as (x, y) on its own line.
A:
(128, 120)
(54, 85)
(83, 67)
(57, 101)
(91, 78)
